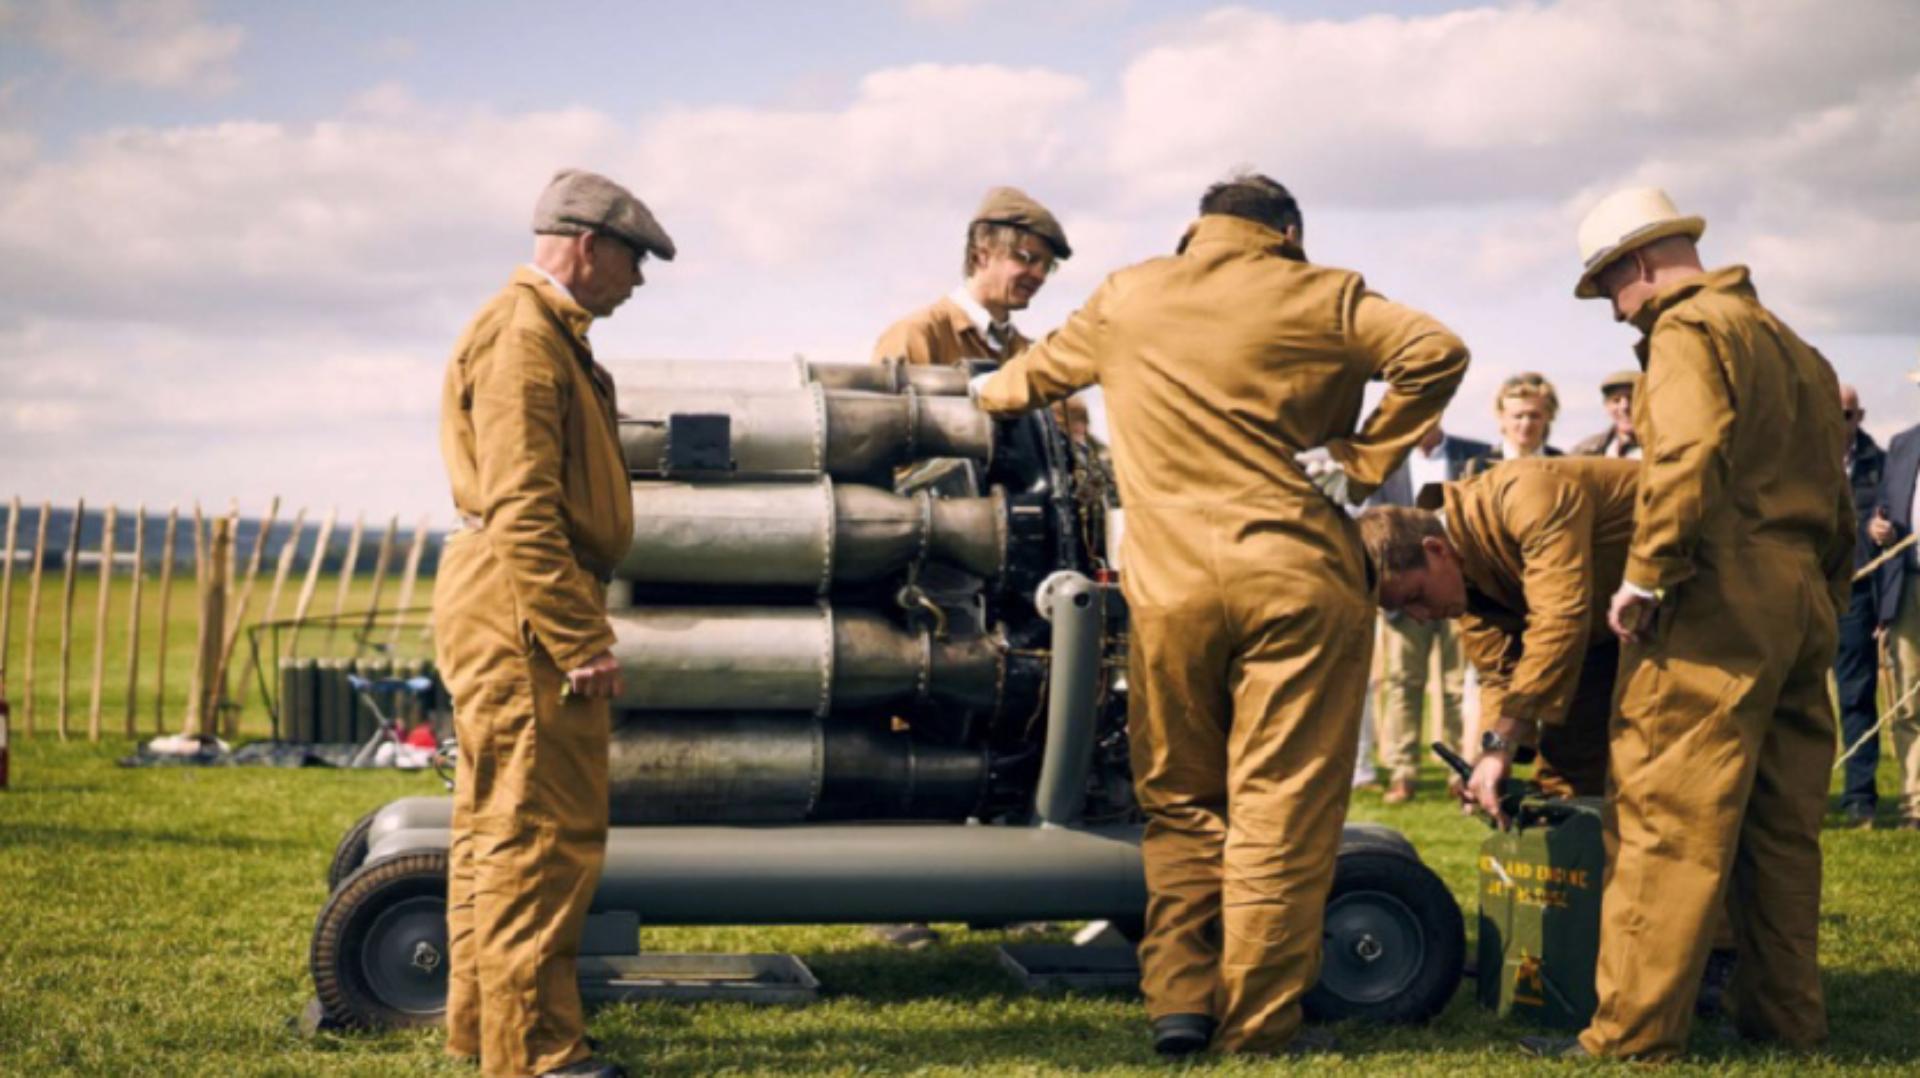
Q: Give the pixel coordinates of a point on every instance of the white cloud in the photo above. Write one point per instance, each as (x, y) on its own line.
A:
(234, 308)
(159, 44)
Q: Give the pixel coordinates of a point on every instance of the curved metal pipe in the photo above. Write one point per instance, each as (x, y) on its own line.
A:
(1073, 686)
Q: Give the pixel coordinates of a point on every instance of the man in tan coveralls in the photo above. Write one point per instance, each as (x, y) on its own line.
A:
(1251, 611)
(528, 430)
(1013, 246)
(1528, 556)
(1740, 562)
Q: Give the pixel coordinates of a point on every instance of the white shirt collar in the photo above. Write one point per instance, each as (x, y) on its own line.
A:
(555, 282)
(1509, 451)
(976, 313)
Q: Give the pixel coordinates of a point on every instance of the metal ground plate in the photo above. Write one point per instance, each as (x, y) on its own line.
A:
(1061, 966)
(750, 978)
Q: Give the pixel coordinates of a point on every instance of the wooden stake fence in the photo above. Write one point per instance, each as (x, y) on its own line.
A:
(202, 714)
(33, 609)
(414, 551)
(166, 606)
(313, 581)
(6, 582)
(346, 576)
(225, 585)
(66, 611)
(101, 608)
(133, 615)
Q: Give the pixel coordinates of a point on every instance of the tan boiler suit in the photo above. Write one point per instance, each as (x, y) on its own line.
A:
(1542, 544)
(529, 434)
(1724, 740)
(1250, 599)
(942, 334)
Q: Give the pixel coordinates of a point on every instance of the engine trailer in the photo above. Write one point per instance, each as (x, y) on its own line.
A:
(875, 669)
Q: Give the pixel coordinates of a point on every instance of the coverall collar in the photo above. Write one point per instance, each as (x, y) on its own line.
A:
(1735, 279)
(1226, 230)
(568, 313)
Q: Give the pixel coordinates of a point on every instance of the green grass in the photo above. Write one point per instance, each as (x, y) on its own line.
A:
(157, 922)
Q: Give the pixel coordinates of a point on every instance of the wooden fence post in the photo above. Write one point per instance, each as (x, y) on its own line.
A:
(6, 582)
(280, 572)
(33, 608)
(100, 611)
(201, 714)
(414, 551)
(166, 606)
(239, 615)
(133, 615)
(379, 578)
(66, 611)
(346, 577)
(313, 580)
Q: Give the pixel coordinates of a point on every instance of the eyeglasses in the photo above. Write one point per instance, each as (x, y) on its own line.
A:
(1035, 260)
(1851, 414)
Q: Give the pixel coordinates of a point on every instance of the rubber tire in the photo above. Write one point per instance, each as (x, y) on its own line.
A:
(1363, 870)
(339, 981)
(351, 852)
(1374, 836)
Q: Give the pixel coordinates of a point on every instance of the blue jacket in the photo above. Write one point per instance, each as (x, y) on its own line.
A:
(1398, 489)
(1894, 496)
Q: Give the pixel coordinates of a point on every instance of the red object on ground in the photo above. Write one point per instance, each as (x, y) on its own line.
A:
(421, 737)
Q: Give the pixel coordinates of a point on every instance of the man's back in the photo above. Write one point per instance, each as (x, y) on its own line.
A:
(1722, 369)
(1222, 362)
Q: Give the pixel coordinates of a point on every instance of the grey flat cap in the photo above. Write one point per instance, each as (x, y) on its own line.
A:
(577, 201)
(1012, 206)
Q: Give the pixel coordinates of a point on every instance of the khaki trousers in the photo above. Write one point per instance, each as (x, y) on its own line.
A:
(1904, 649)
(529, 828)
(1717, 785)
(1243, 721)
(1407, 648)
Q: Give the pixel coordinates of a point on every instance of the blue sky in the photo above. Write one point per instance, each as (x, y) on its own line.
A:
(237, 239)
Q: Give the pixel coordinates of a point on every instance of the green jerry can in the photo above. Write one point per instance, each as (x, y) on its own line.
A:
(1540, 912)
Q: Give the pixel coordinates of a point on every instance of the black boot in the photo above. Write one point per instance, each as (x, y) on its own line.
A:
(1176, 1035)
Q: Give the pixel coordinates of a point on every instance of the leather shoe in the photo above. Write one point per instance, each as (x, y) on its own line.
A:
(592, 1067)
(1399, 793)
(1553, 1047)
(1176, 1035)
(1858, 817)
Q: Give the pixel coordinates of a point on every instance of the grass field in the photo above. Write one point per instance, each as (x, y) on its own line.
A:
(157, 922)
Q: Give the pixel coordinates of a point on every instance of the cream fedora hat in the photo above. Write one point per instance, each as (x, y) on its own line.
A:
(1623, 221)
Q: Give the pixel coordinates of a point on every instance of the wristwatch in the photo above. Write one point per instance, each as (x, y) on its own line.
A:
(1491, 741)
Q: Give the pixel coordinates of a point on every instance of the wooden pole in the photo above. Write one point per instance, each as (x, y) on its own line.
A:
(346, 577)
(194, 688)
(307, 589)
(33, 609)
(166, 610)
(102, 607)
(414, 551)
(6, 583)
(133, 614)
(280, 572)
(379, 577)
(201, 715)
(66, 612)
(239, 616)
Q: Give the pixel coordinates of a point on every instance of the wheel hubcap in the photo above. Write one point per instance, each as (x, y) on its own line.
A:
(404, 956)
(1374, 947)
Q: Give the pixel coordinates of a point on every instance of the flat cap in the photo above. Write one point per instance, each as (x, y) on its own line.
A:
(1618, 380)
(1011, 206)
(578, 201)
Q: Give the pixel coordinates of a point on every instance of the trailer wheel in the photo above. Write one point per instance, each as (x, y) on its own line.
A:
(379, 955)
(351, 852)
(1394, 941)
